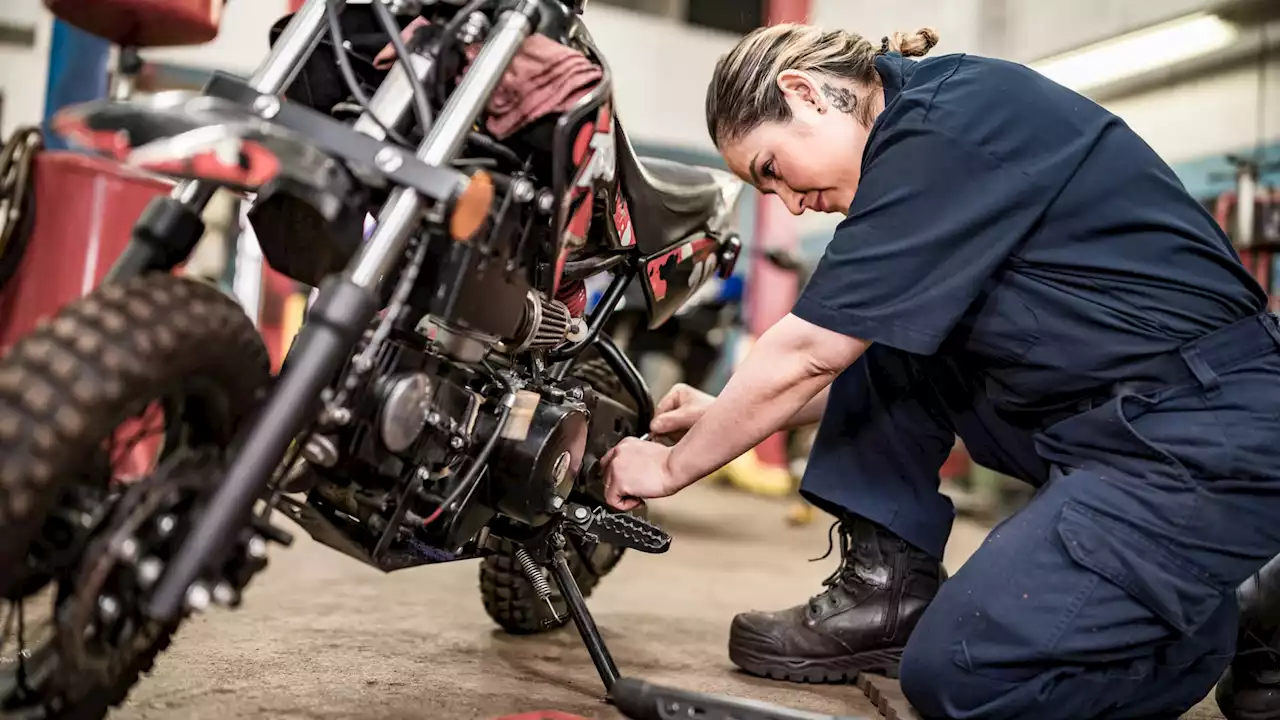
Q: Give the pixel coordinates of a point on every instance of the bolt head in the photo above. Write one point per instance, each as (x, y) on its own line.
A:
(108, 609)
(128, 550)
(256, 548)
(455, 442)
(388, 160)
(165, 525)
(198, 597)
(149, 571)
(580, 513)
(224, 594)
(523, 190)
(546, 202)
(267, 106)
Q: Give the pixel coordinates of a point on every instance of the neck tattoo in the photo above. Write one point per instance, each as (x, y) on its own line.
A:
(842, 99)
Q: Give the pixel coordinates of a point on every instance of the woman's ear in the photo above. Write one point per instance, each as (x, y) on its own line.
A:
(799, 87)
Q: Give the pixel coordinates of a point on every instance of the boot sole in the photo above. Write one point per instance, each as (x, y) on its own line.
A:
(843, 669)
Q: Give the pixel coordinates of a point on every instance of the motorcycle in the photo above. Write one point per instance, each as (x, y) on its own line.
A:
(448, 396)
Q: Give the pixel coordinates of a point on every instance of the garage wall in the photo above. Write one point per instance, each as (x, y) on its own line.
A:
(24, 72)
(958, 22)
(1038, 29)
(1220, 113)
(241, 41)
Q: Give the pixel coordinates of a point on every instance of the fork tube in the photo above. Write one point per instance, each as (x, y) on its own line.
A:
(175, 221)
(377, 257)
(293, 48)
(342, 311)
(291, 51)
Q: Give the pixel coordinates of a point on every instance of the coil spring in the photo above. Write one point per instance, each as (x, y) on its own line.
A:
(17, 197)
(534, 572)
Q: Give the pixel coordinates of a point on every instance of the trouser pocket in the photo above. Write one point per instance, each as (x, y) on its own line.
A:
(1172, 589)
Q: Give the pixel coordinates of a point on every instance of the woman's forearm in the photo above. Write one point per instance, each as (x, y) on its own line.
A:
(790, 364)
(811, 412)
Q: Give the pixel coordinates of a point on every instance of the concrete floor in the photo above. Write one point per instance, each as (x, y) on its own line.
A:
(321, 636)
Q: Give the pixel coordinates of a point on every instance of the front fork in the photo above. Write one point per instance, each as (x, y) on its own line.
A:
(345, 304)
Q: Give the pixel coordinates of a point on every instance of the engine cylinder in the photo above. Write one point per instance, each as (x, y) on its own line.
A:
(546, 324)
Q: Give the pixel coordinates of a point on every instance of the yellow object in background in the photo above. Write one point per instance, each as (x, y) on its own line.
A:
(800, 513)
(749, 474)
(295, 310)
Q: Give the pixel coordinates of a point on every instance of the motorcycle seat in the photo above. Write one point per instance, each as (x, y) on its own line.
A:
(669, 200)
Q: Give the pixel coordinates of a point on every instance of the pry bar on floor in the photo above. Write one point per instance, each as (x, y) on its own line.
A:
(640, 700)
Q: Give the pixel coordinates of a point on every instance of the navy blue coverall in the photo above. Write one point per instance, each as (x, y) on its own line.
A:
(1037, 281)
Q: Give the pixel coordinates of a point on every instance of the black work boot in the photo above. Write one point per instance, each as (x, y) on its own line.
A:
(1250, 689)
(860, 623)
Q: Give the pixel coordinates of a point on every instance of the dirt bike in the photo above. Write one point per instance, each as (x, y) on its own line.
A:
(448, 396)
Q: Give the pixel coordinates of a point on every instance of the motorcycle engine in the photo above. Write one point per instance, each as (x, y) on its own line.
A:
(403, 441)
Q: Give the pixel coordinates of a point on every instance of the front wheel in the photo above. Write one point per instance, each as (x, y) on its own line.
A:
(113, 415)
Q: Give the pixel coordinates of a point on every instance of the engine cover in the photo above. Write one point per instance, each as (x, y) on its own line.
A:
(527, 476)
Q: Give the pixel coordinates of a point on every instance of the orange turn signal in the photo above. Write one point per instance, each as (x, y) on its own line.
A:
(471, 208)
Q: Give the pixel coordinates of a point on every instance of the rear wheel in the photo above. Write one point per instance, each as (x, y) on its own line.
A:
(113, 416)
(508, 596)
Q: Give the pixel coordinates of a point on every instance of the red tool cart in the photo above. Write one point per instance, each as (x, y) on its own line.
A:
(84, 209)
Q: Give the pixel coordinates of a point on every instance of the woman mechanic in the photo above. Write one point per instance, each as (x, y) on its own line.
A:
(1018, 268)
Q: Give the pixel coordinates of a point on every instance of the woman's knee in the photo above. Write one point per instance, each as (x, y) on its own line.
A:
(939, 670)
(926, 671)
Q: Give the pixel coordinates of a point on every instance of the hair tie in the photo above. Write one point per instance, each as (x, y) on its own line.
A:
(884, 45)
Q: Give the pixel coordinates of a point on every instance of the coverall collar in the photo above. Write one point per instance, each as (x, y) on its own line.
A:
(895, 71)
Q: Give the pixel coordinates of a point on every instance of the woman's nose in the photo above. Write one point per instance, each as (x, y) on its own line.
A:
(794, 202)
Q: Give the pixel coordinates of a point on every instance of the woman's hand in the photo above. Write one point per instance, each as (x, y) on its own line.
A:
(636, 470)
(678, 411)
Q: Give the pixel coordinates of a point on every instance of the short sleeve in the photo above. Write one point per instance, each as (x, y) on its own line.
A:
(933, 219)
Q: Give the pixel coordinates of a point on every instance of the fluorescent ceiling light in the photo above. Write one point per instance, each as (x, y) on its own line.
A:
(1139, 52)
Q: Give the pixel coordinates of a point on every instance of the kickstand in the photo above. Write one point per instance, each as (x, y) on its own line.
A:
(582, 616)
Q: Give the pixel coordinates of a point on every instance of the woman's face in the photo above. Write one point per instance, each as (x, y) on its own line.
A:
(814, 160)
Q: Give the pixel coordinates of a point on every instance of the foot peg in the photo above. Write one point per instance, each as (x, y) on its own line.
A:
(617, 529)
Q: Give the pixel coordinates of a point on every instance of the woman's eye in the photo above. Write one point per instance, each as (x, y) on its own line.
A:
(768, 170)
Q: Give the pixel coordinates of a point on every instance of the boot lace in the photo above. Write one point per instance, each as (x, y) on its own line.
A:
(844, 570)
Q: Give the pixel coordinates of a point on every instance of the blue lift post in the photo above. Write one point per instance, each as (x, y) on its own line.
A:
(78, 72)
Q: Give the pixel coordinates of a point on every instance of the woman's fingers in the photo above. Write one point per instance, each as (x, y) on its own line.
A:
(628, 504)
(608, 458)
(675, 421)
(677, 396)
(614, 495)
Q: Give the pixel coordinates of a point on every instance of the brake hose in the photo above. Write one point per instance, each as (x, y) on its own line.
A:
(17, 198)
